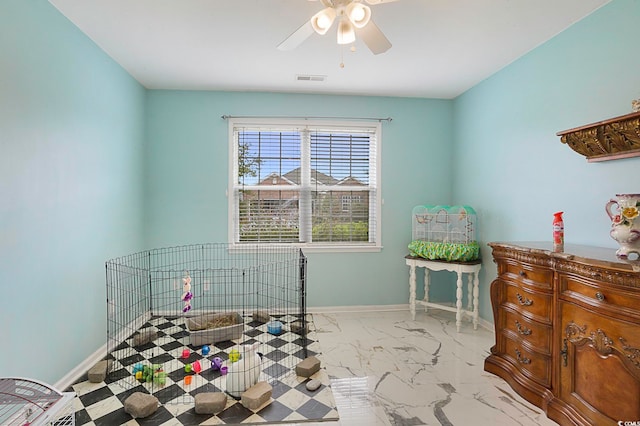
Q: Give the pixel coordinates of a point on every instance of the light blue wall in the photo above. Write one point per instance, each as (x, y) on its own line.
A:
(71, 145)
(509, 163)
(187, 163)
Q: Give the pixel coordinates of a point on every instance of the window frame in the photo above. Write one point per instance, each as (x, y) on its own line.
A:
(302, 123)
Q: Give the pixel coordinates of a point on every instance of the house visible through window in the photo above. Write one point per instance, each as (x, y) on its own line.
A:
(313, 184)
(350, 201)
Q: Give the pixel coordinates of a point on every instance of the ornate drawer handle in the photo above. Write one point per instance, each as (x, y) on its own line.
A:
(521, 359)
(522, 330)
(600, 296)
(522, 273)
(523, 300)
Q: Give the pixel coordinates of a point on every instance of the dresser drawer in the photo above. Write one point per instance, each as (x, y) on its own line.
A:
(531, 275)
(534, 333)
(606, 296)
(531, 304)
(599, 365)
(534, 365)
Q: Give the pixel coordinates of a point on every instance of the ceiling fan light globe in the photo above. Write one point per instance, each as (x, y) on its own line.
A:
(346, 32)
(322, 21)
(359, 14)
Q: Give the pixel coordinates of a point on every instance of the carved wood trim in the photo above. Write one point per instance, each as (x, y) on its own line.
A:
(542, 258)
(633, 354)
(611, 139)
(598, 340)
(574, 332)
(601, 343)
(628, 279)
(530, 257)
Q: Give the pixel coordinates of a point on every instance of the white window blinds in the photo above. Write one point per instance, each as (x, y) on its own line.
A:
(305, 184)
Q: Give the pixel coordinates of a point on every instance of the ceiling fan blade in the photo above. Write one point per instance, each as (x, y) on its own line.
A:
(373, 38)
(298, 36)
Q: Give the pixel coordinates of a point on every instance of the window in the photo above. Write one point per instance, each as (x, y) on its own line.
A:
(307, 183)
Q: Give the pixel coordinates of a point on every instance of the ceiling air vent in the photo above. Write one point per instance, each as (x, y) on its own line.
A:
(300, 77)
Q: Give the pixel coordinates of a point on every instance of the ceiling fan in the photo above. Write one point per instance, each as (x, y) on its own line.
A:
(353, 16)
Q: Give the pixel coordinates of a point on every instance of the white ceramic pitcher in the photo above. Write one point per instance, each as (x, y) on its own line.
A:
(625, 224)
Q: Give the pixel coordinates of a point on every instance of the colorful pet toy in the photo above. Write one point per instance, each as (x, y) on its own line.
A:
(187, 295)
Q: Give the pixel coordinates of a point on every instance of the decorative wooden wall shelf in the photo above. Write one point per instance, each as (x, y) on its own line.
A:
(606, 140)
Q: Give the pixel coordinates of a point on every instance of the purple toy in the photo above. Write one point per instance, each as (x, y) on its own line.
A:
(187, 295)
(216, 363)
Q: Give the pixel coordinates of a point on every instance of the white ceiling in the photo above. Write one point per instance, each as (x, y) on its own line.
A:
(440, 49)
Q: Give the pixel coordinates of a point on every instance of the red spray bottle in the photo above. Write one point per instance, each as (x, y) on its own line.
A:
(558, 232)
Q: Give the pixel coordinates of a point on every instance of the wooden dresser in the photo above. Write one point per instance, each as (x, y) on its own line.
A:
(568, 331)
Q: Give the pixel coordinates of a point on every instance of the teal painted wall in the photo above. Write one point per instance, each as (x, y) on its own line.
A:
(509, 163)
(187, 179)
(71, 167)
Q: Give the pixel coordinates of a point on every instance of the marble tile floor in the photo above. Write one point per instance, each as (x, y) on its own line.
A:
(387, 369)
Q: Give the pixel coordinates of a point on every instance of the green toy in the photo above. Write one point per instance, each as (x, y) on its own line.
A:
(160, 378)
(234, 355)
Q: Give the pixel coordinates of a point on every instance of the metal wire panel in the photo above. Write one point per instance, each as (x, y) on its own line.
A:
(144, 295)
(29, 402)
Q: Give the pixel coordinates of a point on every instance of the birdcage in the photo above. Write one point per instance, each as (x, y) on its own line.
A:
(441, 232)
(31, 402)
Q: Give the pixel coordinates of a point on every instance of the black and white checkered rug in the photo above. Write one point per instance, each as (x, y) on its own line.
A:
(103, 403)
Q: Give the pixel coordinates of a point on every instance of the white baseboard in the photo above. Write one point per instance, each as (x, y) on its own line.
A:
(357, 308)
(486, 325)
(72, 376)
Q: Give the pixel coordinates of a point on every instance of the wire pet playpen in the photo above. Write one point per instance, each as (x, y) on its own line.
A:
(175, 314)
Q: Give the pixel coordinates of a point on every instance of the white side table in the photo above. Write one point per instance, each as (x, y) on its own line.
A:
(473, 284)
